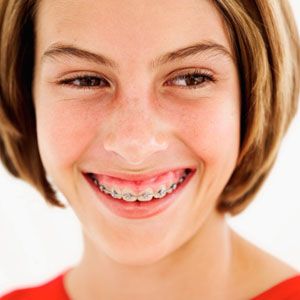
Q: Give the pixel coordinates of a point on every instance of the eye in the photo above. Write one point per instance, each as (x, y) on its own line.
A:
(85, 82)
(194, 79)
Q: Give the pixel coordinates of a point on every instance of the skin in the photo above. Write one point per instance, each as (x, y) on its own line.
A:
(143, 119)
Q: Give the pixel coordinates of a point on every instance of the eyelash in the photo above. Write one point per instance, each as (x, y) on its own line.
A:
(206, 78)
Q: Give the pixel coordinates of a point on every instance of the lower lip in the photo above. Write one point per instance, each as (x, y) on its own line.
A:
(139, 210)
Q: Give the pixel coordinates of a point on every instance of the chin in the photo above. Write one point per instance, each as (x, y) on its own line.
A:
(148, 256)
(131, 252)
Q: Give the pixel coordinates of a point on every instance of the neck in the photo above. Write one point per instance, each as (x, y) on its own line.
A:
(192, 271)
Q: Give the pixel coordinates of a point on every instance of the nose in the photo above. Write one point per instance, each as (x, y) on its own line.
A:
(135, 132)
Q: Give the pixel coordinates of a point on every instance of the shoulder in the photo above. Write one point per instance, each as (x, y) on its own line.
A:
(260, 273)
(287, 289)
(52, 289)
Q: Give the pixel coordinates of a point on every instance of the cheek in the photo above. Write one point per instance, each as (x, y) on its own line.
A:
(64, 132)
(212, 132)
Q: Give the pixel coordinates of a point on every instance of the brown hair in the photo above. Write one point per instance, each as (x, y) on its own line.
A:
(266, 44)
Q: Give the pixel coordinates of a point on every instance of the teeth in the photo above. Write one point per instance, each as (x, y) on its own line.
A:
(161, 192)
(181, 179)
(146, 196)
(172, 188)
(116, 193)
(127, 195)
(106, 191)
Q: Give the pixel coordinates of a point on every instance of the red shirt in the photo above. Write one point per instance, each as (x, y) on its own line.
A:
(286, 290)
(51, 290)
(54, 290)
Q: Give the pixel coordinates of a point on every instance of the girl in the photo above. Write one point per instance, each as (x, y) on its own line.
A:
(155, 119)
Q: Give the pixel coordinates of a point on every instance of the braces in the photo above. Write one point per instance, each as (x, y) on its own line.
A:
(146, 196)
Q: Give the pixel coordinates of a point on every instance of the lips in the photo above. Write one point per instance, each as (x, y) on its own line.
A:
(137, 209)
(137, 186)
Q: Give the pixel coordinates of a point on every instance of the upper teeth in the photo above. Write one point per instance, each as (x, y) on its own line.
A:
(147, 195)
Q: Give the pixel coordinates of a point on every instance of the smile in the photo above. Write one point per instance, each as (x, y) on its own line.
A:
(139, 199)
(154, 191)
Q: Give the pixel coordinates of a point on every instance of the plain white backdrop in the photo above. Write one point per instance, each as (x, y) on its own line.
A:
(37, 242)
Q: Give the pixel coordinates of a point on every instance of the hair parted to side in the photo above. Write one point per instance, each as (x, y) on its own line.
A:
(265, 39)
(18, 141)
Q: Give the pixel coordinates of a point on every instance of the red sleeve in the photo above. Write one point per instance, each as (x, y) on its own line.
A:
(51, 290)
(286, 290)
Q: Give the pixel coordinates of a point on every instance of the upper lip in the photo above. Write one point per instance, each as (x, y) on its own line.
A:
(140, 176)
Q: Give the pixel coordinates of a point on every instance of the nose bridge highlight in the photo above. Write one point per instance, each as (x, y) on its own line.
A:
(134, 133)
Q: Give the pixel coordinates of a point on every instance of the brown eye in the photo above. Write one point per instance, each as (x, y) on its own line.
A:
(85, 82)
(191, 80)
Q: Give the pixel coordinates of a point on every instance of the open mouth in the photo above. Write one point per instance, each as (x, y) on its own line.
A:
(142, 200)
(148, 191)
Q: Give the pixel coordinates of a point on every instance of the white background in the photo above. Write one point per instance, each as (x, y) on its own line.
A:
(37, 242)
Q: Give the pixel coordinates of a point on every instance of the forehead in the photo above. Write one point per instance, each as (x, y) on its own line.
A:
(139, 28)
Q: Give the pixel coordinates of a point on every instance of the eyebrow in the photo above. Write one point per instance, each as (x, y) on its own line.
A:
(59, 50)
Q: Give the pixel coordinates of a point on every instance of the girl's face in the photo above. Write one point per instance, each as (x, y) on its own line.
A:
(115, 94)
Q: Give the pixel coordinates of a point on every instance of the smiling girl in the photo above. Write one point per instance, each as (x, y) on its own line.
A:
(154, 119)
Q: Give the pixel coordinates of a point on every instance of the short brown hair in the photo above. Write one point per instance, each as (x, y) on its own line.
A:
(265, 40)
